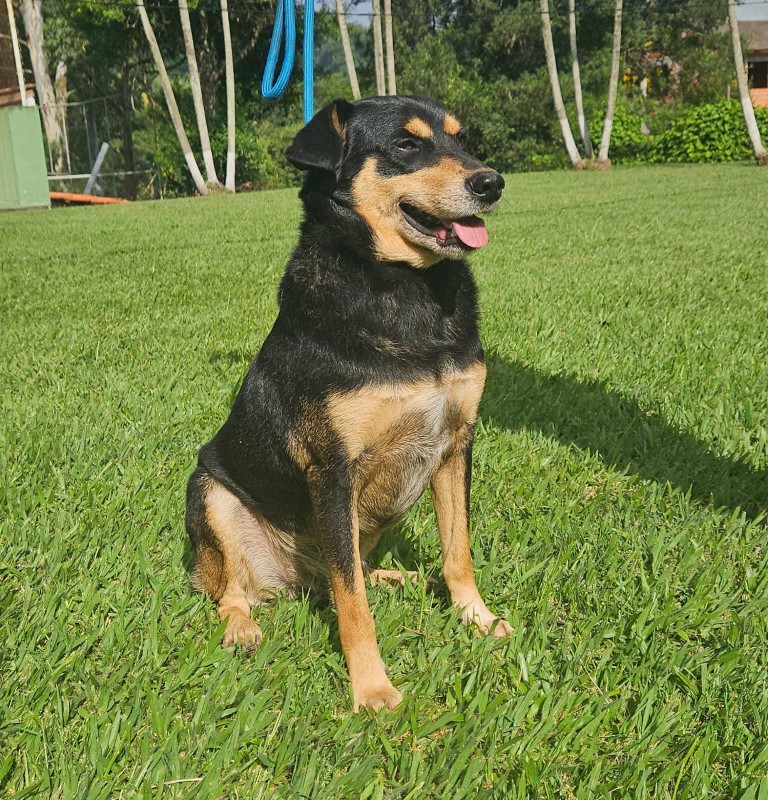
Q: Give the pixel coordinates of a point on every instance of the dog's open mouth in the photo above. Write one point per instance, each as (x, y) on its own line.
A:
(467, 232)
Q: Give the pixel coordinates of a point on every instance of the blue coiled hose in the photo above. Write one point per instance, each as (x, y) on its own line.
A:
(285, 21)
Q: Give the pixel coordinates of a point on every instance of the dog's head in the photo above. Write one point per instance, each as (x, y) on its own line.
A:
(398, 164)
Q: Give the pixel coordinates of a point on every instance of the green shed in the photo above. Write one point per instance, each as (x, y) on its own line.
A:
(23, 173)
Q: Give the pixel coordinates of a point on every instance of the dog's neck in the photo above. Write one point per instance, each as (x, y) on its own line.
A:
(329, 217)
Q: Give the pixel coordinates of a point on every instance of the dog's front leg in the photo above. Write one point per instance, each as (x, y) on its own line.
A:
(335, 510)
(450, 493)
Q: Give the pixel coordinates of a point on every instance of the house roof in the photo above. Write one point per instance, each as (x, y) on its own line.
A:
(755, 34)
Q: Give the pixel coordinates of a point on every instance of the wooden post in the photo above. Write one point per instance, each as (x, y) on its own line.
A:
(16, 52)
(378, 49)
(391, 85)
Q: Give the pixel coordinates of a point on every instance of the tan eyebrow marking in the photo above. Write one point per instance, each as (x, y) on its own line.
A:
(416, 126)
(451, 125)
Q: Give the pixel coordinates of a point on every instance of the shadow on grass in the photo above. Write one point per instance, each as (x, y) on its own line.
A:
(613, 427)
(623, 435)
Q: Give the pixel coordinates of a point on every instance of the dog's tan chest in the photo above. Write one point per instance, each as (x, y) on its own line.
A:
(395, 435)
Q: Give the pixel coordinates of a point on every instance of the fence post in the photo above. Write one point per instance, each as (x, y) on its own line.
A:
(96, 168)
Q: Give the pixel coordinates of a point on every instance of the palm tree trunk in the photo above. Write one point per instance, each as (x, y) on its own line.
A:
(378, 49)
(170, 100)
(197, 94)
(61, 93)
(588, 151)
(32, 14)
(557, 96)
(605, 142)
(229, 183)
(761, 155)
(348, 57)
(390, 47)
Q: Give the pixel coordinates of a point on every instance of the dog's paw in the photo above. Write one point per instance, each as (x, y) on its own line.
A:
(480, 617)
(242, 630)
(501, 628)
(376, 696)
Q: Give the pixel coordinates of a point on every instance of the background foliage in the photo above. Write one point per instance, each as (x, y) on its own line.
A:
(484, 58)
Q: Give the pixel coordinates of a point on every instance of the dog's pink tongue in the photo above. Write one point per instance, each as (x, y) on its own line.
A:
(471, 231)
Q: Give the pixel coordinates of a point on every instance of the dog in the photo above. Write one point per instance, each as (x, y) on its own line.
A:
(366, 389)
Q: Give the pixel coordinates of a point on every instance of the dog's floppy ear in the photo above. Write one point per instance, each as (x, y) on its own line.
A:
(320, 143)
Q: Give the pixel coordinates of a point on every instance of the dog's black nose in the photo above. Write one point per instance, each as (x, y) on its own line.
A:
(487, 185)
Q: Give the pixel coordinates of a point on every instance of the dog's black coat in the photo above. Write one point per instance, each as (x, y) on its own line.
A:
(337, 303)
(367, 387)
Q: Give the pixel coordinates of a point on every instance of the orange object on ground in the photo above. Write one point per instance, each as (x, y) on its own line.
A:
(89, 199)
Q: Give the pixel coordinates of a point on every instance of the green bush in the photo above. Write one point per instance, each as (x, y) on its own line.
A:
(714, 132)
(260, 162)
(155, 142)
(511, 125)
(628, 142)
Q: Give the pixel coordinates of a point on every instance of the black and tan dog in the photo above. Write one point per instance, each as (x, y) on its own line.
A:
(366, 389)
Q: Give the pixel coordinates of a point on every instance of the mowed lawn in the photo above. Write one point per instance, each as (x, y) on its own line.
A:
(620, 489)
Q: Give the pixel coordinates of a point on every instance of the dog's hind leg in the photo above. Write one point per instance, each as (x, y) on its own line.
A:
(219, 525)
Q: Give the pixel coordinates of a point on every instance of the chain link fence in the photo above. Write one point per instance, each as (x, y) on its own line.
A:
(88, 124)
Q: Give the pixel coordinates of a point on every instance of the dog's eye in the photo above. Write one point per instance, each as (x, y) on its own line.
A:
(408, 146)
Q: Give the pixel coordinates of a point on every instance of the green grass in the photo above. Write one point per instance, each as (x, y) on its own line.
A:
(621, 478)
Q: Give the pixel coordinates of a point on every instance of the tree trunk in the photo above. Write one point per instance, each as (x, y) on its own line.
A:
(392, 87)
(345, 43)
(549, 49)
(378, 49)
(61, 93)
(761, 155)
(605, 142)
(229, 184)
(32, 14)
(207, 62)
(170, 100)
(584, 130)
(197, 94)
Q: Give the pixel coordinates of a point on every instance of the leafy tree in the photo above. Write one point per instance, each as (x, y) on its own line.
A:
(51, 98)
(197, 93)
(106, 58)
(576, 68)
(554, 80)
(170, 99)
(681, 47)
(613, 83)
